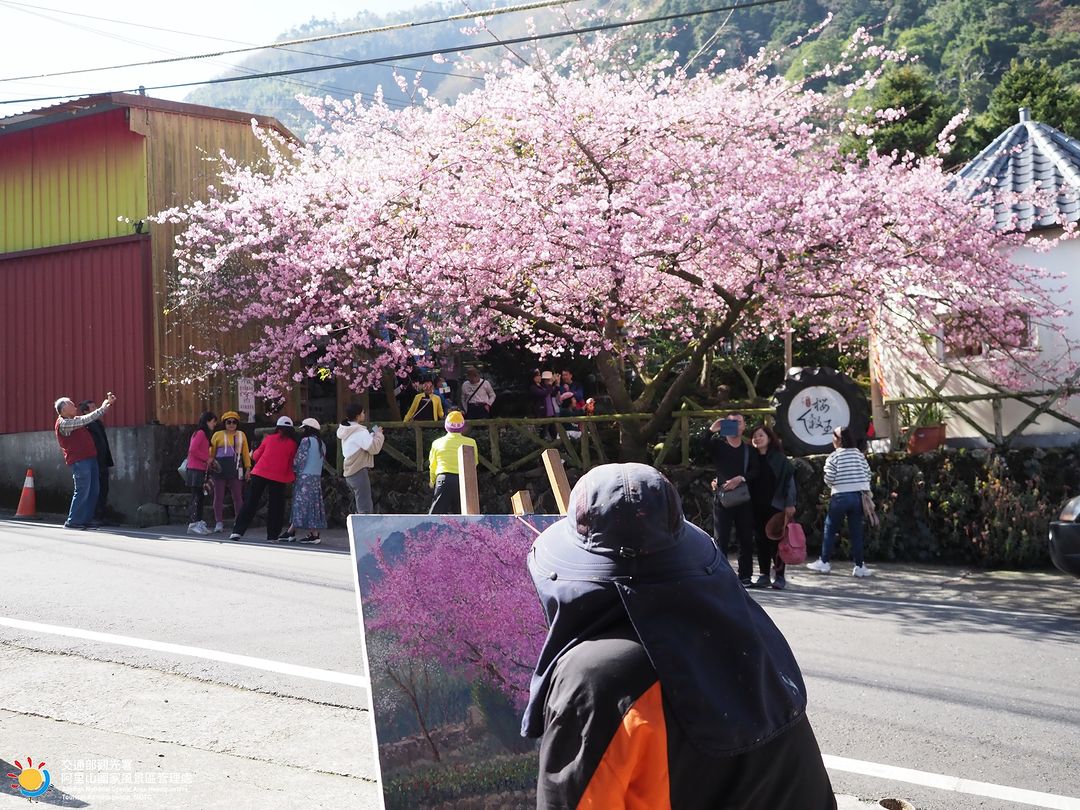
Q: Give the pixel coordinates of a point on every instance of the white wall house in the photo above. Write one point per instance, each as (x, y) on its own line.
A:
(1028, 156)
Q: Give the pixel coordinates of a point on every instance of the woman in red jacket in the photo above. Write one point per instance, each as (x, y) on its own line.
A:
(272, 471)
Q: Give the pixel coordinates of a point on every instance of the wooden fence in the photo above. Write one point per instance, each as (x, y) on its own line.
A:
(584, 441)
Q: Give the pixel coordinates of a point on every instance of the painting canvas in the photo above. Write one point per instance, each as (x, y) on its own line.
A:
(452, 628)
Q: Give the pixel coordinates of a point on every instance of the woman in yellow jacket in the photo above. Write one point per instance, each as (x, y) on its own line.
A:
(229, 448)
(426, 406)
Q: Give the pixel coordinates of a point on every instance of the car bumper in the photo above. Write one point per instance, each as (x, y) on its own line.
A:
(1065, 546)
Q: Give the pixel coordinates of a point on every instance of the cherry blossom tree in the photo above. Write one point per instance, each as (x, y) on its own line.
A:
(460, 596)
(590, 205)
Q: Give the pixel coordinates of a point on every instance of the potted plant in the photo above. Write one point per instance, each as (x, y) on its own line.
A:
(926, 428)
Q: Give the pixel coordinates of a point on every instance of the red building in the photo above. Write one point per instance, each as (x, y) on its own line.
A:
(83, 279)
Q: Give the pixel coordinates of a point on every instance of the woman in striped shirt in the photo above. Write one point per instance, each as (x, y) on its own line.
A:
(848, 474)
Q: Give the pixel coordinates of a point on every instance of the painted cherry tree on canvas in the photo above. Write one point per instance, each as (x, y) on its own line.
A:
(594, 204)
(459, 595)
(453, 629)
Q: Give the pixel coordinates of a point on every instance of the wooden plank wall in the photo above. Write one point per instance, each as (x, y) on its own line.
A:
(178, 172)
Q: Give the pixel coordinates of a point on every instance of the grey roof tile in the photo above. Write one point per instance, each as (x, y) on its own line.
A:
(1026, 157)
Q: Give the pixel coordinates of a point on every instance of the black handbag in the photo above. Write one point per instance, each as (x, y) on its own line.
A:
(737, 496)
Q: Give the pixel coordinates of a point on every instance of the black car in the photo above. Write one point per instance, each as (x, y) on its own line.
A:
(1065, 538)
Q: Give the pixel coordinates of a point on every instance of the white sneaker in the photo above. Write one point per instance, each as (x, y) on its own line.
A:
(218, 527)
(861, 571)
(197, 528)
(820, 566)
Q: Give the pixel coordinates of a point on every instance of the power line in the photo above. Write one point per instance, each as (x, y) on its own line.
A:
(421, 54)
(285, 45)
(24, 6)
(300, 83)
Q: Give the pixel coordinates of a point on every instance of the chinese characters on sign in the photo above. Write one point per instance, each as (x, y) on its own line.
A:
(118, 778)
(245, 395)
(816, 413)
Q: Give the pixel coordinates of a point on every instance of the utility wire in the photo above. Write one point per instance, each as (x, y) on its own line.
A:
(300, 83)
(421, 54)
(277, 46)
(541, 4)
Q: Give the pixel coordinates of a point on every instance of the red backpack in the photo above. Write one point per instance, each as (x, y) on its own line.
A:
(793, 545)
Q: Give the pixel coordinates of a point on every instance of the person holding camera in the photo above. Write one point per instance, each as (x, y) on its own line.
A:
(104, 458)
(81, 455)
(736, 468)
(359, 446)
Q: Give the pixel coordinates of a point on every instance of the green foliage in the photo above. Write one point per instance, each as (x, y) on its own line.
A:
(428, 786)
(1040, 88)
(974, 507)
(911, 88)
(926, 415)
(979, 507)
(503, 720)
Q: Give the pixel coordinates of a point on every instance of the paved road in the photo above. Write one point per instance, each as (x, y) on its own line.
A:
(954, 673)
(939, 671)
(257, 704)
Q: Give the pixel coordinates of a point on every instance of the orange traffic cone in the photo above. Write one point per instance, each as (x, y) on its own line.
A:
(28, 500)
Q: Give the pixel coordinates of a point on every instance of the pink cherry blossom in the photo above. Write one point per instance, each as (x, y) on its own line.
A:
(592, 206)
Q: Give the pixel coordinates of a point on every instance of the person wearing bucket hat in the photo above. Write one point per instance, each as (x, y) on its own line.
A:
(272, 471)
(443, 466)
(229, 448)
(661, 682)
(308, 511)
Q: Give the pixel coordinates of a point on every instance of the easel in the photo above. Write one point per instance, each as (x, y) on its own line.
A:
(521, 501)
(560, 486)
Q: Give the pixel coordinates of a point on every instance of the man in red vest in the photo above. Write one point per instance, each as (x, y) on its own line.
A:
(80, 454)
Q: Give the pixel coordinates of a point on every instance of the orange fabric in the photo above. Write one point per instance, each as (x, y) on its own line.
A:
(633, 774)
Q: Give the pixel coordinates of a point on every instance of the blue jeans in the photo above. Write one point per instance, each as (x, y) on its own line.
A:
(84, 498)
(841, 505)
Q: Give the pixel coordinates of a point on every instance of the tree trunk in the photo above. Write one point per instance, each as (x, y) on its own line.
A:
(389, 382)
(632, 446)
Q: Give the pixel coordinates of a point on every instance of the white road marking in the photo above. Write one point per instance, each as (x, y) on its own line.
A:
(952, 783)
(264, 664)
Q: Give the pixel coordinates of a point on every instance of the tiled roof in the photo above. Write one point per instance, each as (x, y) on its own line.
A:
(1028, 156)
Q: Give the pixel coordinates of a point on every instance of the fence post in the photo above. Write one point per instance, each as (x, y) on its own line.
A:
(496, 453)
(469, 490)
(557, 477)
(521, 502)
(999, 428)
(419, 434)
(685, 427)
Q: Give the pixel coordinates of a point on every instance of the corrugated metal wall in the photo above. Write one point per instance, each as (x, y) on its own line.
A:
(69, 183)
(76, 323)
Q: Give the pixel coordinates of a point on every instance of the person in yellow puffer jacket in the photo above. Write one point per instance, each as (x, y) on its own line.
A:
(443, 466)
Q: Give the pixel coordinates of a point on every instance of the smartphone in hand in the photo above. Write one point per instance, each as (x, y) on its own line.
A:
(729, 427)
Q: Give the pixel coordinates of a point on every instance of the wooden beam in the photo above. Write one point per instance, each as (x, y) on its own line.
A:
(493, 440)
(521, 501)
(570, 451)
(684, 424)
(419, 435)
(470, 492)
(557, 477)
